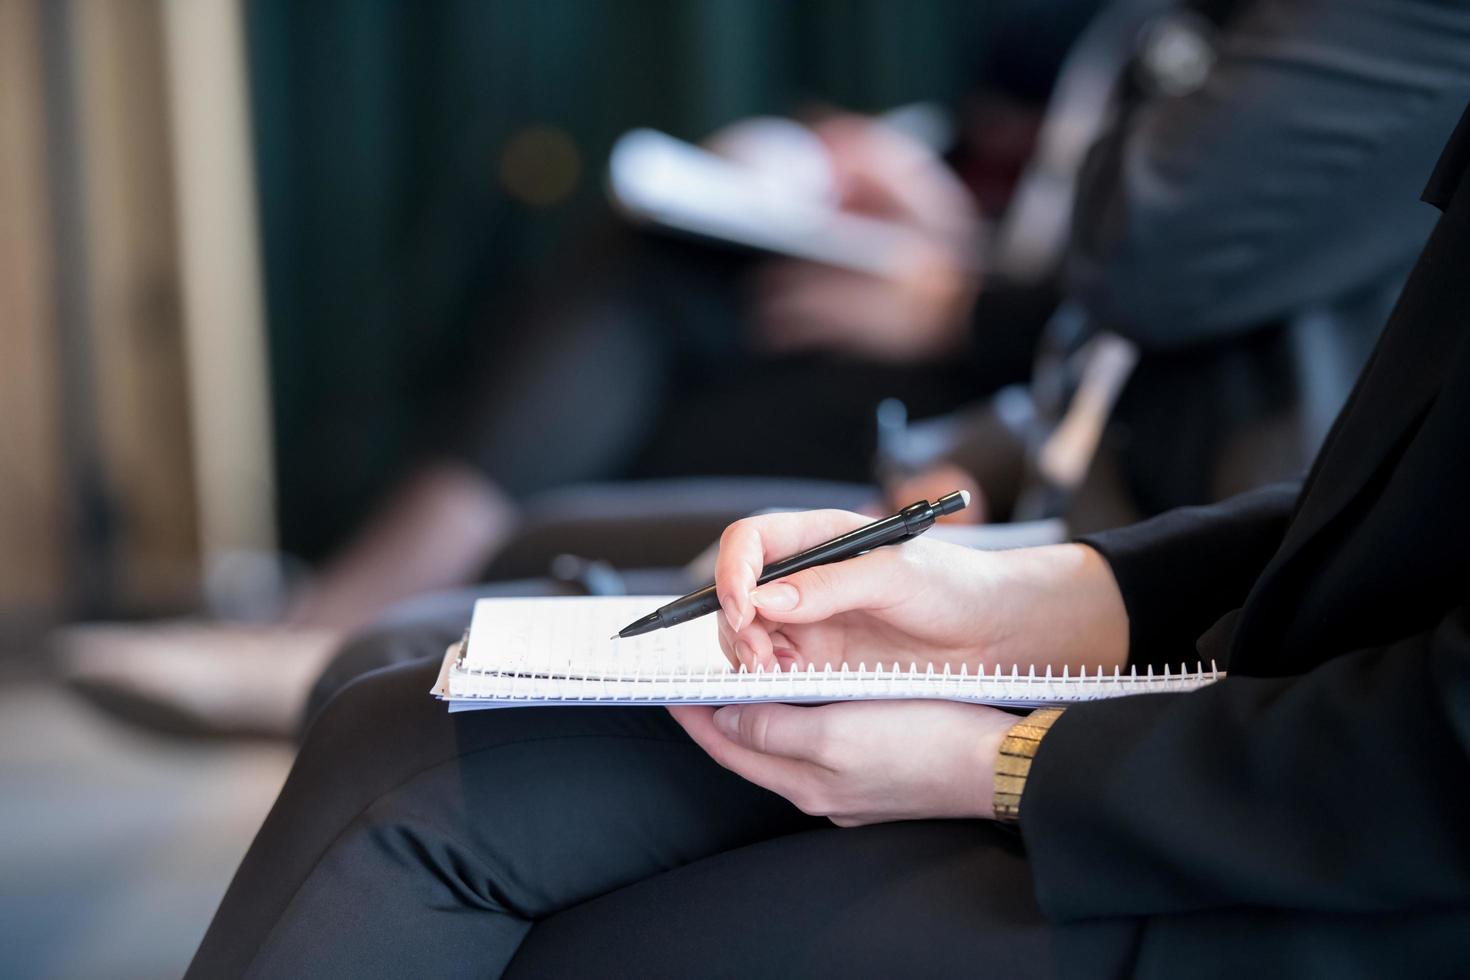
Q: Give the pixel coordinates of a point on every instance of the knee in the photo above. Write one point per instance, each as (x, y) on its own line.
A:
(374, 713)
(368, 652)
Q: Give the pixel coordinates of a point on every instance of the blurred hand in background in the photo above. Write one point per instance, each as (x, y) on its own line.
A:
(931, 484)
(921, 311)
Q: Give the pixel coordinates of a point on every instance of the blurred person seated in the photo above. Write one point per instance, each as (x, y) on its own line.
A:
(645, 367)
(650, 367)
(1245, 220)
(666, 349)
(1252, 275)
(1305, 815)
(1252, 290)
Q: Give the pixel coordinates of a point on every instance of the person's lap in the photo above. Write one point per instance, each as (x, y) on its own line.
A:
(932, 899)
(587, 840)
(602, 841)
(407, 839)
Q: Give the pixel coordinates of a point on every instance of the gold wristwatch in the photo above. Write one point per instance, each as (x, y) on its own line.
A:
(1013, 764)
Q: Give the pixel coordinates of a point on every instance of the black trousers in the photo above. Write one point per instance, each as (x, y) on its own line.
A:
(626, 369)
(591, 841)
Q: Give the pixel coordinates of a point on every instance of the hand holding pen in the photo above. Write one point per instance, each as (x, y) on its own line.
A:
(805, 542)
(927, 602)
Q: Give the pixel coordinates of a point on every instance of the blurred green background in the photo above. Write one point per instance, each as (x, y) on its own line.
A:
(417, 161)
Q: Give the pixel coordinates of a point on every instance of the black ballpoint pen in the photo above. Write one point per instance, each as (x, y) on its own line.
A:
(910, 522)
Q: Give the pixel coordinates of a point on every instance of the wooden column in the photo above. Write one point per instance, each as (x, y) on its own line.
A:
(135, 329)
(31, 533)
(219, 246)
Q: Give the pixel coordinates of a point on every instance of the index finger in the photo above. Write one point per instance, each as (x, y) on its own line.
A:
(748, 545)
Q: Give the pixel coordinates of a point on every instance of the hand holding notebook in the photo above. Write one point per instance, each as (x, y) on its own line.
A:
(857, 742)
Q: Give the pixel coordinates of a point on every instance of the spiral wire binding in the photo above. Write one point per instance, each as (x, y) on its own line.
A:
(825, 684)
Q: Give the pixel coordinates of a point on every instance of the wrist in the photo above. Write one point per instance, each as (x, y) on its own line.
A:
(984, 766)
(1059, 606)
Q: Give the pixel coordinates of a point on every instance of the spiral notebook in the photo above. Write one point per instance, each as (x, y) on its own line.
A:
(523, 652)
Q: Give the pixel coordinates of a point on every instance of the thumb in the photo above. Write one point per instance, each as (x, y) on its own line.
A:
(770, 729)
(867, 582)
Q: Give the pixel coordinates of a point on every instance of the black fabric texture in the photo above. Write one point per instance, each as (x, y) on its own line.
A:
(411, 842)
(1326, 775)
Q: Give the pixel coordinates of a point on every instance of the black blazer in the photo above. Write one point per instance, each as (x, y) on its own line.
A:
(1309, 815)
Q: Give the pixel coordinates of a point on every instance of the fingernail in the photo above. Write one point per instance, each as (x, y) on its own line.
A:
(746, 654)
(777, 597)
(727, 720)
(733, 616)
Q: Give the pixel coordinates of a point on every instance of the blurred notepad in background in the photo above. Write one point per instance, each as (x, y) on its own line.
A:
(656, 179)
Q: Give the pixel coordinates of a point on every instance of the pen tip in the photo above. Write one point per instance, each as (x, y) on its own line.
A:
(615, 636)
(964, 499)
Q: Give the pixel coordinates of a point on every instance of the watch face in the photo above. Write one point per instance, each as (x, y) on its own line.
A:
(1175, 53)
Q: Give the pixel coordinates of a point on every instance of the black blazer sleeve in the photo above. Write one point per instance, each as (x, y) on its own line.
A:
(1280, 182)
(1172, 593)
(1265, 792)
